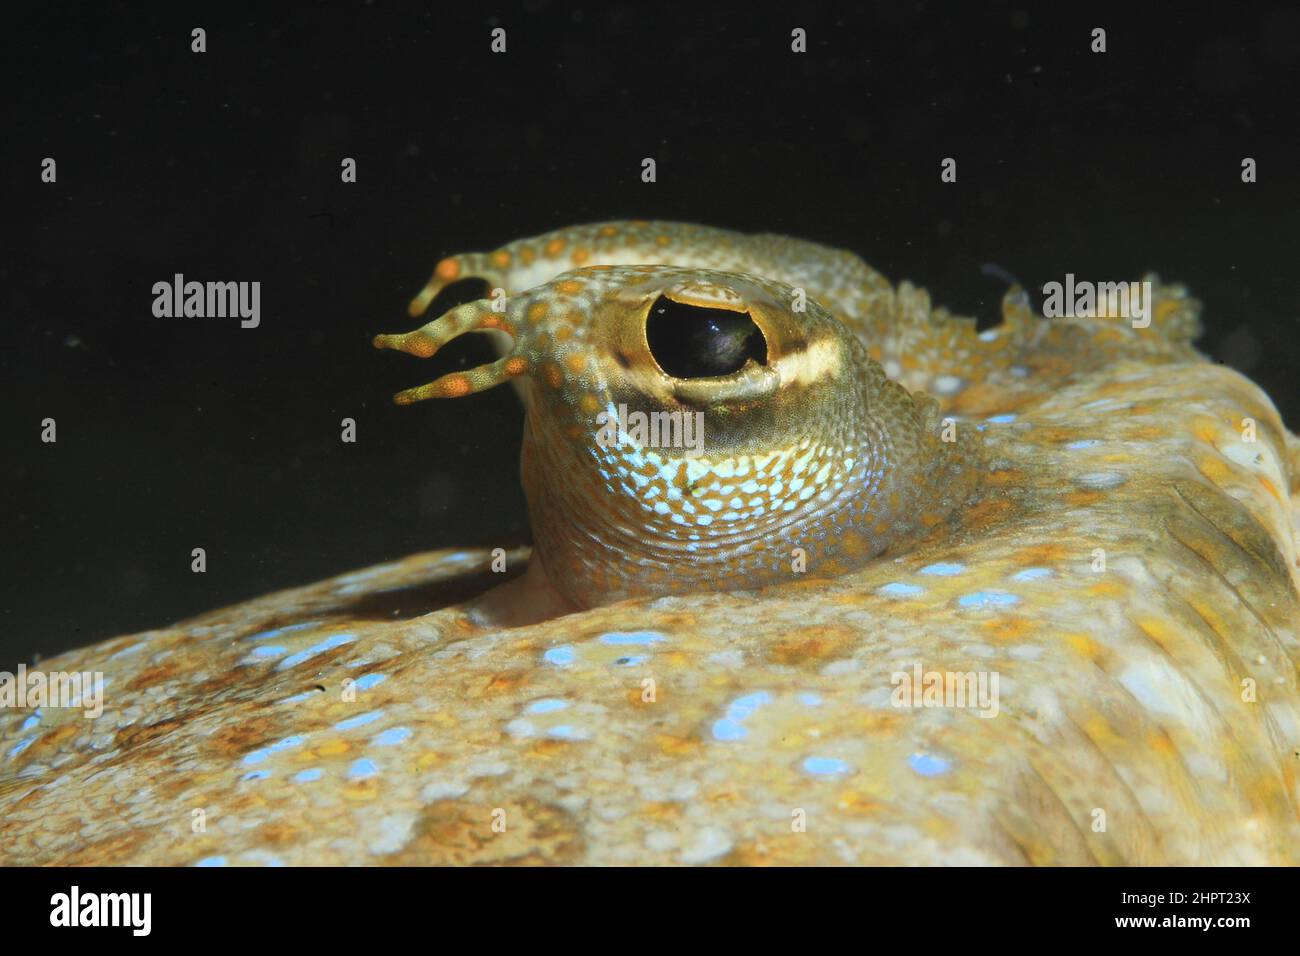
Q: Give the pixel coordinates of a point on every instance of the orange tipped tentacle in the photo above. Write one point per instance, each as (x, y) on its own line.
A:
(466, 265)
(426, 341)
(458, 384)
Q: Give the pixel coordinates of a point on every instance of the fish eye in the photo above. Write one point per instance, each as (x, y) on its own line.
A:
(689, 341)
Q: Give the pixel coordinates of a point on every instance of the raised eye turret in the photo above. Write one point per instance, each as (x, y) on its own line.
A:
(689, 429)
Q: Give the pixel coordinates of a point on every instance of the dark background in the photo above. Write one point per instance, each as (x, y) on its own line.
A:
(183, 433)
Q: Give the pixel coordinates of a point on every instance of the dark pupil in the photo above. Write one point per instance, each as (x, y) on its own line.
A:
(691, 342)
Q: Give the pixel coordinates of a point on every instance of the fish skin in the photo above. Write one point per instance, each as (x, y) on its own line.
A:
(1148, 713)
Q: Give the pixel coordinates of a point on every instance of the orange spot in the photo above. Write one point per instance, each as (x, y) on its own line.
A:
(608, 230)
(659, 810)
(546, 749)
(813, 646)
(527, 255)
(1206, 429)
(1009, 629)
(1160, 741)
(662, 240)
(1215, 470)
(448, 270)
(580, 256)
(1085, 645)
(855, 545)
(676, 746)
(505, 681)
(576, 362)
(1041, 554)
(1081, 499)
(986, 512)
(1145, 433)
(554, 247)
(455, 387)
(569, 287)
(501, 259)
(555, 375)
(516, 366)
(1107, 589)
(1007, 476)
(537, 312)
(361, 790)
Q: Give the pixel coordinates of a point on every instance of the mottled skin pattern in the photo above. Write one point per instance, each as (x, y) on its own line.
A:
(1156, 688)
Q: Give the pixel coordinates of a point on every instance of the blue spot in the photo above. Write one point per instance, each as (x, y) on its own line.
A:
(361, 769)
(743, 707)
(21, 746)
(899, 589)
(256, 774)
(988, 599)
(632, 637)
(567, 732)
(308, 776)
(260, 755)
(29, 723)
(212, 861)
(1032, 574)
(1000, 419)
(368, 681)
(359, 721)
(331, 642)
(277, 631)
(296, 698)
(1086, 443)
(364, 575)
(826, 765)
(727, 729)
(269, 650)
(944, 569)
(546, 706)
(928, 766)
(810, 700)
(559, 656)
(391, 736)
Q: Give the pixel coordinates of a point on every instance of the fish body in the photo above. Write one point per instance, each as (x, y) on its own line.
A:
(1073, 640)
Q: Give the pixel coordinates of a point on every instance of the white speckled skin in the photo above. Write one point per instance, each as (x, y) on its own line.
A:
(1148, 708)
